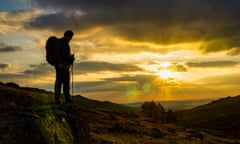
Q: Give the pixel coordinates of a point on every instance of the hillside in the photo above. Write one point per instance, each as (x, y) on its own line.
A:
(175, 105)
(29, 115)
(222, 114)
(78, 99)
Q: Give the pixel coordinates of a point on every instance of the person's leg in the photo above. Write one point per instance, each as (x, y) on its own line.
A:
(66, 86)
(58, 84)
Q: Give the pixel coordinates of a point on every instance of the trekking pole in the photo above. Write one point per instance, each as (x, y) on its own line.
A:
(72, 79)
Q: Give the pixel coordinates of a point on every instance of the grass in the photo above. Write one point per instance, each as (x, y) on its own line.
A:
(222, 114)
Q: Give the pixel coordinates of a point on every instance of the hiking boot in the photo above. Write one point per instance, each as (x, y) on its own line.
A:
(68, 98)
(58, 101)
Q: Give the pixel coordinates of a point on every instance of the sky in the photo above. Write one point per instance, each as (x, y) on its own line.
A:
(127, 50)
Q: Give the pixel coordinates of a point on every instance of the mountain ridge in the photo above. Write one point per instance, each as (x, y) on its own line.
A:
(221, 114)
(176, 105)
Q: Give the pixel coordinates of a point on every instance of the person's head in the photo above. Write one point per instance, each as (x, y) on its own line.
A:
(68, 34)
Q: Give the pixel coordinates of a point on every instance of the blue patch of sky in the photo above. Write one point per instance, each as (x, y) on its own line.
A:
(11, 5)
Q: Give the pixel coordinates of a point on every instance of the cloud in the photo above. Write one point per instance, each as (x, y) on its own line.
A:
(177, 68)
(98, 66)
(212, 64)
(37, 75)
(9, 77)
(234, 51)
(6, 48)
(160, 22)
(15, 20)
(4, 66)
(141, 78)
(41, 70)
(119, 84)
(217, 80)
(99, 86)
(10, 49)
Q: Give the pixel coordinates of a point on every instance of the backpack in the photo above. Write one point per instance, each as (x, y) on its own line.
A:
(50, 50)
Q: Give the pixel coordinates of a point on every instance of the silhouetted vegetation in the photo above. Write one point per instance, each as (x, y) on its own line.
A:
(158, 113)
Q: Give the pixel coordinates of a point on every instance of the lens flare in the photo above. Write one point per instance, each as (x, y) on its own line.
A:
(146, 87)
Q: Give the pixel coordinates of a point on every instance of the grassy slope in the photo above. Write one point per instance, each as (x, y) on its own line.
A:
(13, 97)
(104, 104)
(222, 114)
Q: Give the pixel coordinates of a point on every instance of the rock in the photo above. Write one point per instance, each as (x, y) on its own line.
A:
(18, 127)
(44, 125)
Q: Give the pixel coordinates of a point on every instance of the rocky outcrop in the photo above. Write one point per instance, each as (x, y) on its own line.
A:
(49, 124)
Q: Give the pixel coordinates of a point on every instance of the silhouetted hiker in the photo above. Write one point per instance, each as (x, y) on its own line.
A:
(64, 59)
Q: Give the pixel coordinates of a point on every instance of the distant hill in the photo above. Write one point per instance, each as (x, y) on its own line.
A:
(222, 114)
(176, 105)
(103, 104)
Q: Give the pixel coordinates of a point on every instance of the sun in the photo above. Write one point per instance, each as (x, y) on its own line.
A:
(165, 64)
(166, 74)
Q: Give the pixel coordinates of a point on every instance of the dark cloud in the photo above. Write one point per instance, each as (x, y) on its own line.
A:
(12, 21)
(136, 78)
(10, 49)
(157, 21)
(212, 64)
(41, 69)
(35, 72)
(84, 5)
(56, 21)
(99, 86)
(95, 66)
(9, 77)
(6, 48)
(234, 51)
(4, 66)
